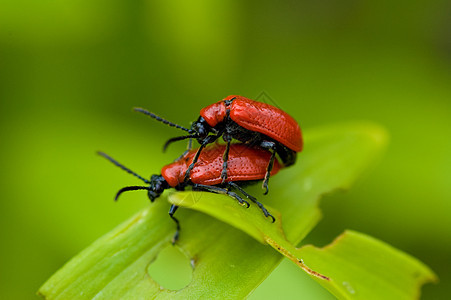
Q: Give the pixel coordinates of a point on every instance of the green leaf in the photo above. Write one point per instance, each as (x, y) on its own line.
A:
(227, 262)
(361, 267)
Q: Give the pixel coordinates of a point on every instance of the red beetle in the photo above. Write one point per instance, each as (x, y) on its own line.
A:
(245, 165)
(251, 122)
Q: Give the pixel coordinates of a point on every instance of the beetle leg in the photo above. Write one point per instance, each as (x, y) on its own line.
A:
(191, 166)
(268, 172)
(190, 144)
(218, 190)
(171, 214)
(225, 159)
(181, 156)
(253, 199)
(188, 149)
(208, 140)
(270, 146)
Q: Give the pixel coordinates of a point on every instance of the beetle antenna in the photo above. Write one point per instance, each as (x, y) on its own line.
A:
(130, 188)
(178, 138)
(158, 118)
(122, 167)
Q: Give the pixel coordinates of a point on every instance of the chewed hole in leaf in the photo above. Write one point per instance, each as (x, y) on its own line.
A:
(172, 269)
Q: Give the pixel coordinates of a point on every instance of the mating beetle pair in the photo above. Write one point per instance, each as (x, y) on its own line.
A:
(263, 131)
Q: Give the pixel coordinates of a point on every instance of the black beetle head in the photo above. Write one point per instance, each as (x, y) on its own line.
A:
(157, 186)
(201, 128)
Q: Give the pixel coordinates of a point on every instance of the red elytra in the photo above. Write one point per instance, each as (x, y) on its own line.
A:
(244, 164)
(258, 117)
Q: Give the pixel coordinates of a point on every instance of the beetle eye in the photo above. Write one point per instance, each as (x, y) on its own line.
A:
(201, 130)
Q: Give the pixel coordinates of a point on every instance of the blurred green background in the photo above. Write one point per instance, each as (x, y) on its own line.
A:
(70, 71)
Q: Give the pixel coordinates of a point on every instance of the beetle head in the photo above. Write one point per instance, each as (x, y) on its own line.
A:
(201, 128)
(157, 186)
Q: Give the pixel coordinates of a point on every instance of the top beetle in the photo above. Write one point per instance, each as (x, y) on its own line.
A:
(251, 122)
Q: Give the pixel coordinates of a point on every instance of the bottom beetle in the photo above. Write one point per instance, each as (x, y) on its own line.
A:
(245, 165)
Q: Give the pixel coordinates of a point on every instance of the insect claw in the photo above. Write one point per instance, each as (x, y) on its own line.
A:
(273, 219)
(175, 238)
(246, 203)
